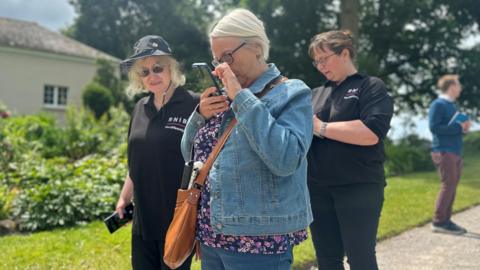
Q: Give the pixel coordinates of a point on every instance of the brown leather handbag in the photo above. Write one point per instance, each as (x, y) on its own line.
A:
(180, 238)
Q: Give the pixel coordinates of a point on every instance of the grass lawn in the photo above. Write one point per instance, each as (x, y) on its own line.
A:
(409, 202)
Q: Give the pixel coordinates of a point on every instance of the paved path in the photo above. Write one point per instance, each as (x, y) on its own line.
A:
(420, 249)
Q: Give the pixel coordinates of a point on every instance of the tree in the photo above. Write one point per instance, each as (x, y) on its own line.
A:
(290, 33)
(114, 26)
(108, 77)
(349, 17)
(409, 44)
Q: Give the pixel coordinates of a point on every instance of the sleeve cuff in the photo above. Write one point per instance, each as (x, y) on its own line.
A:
(381, 133)
(197, 119)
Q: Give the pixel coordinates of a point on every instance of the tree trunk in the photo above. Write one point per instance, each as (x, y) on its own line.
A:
(349, 16)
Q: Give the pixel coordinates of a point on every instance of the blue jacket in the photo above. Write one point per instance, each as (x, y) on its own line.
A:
(446, 138)
(259, 180)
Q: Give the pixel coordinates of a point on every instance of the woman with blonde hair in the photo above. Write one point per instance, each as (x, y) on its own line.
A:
(254, 206)
(155, 163)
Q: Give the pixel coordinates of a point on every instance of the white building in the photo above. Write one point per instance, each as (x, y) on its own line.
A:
(41, 70)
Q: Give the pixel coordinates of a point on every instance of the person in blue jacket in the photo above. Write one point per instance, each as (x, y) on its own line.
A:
(254, 206)
(447, 132)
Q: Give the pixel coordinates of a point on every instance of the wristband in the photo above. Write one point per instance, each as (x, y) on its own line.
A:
(323, 129)
(321, 132)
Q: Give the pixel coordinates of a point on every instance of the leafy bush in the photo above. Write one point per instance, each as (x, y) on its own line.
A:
(82, 135)
(74, 193)
(61, 175)
(471, 143)
(4, 113)
(409, 154)
(97, 98)
(6, 198)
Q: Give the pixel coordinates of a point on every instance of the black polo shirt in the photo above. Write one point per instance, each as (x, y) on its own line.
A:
(155, 161)
(361, 97)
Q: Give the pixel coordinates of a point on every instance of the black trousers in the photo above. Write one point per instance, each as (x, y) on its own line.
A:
(148, 255)
(345, 223)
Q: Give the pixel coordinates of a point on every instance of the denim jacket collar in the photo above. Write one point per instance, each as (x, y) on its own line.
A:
(259, 84)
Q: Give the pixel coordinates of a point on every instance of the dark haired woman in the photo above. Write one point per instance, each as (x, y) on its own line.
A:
(352, 113)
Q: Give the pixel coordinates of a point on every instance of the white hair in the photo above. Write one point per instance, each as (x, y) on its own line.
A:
(135, 84)
(243, 24)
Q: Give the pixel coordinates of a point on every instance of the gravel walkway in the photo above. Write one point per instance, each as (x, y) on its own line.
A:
(421, 249)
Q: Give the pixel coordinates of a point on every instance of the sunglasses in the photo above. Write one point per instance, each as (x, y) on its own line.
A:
(227, 57)
(144, 71)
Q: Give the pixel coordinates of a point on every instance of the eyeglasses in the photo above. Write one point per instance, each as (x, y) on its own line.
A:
(227, 57)
(157, 68)
(322, 60)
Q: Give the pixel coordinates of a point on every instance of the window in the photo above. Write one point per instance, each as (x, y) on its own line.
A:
(55, 96)
(62, 96)
(48, 95)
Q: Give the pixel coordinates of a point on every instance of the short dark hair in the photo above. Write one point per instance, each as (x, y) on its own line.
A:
(336, 41)
(446, 81)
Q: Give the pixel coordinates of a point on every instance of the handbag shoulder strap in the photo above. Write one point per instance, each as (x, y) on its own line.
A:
(202, 175)
(272, 84)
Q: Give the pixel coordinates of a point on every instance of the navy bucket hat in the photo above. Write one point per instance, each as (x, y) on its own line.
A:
(147, 46)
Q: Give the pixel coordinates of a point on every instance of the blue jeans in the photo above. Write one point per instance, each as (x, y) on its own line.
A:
(220, 259)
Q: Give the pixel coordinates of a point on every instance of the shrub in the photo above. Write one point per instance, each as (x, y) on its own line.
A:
(409, 154)
(83, 133)
(97, 98)
(74, 193)
(4, 113)
(41, 134)
(6, 198)
(471, 143)
(60, 176)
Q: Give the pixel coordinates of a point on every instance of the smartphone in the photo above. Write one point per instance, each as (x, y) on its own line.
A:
(114, 222)
(206, 72)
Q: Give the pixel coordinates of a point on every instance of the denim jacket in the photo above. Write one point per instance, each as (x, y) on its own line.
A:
(259, 180)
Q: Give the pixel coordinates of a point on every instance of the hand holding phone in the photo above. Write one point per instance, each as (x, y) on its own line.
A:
(211, 104)
(212, 100)
(114, 221)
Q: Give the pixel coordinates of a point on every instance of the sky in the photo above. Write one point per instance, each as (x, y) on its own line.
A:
(57, 14)
(52, 14)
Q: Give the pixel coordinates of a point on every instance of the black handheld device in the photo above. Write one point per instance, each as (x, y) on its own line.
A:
(205, 68)
(187, 173)
(114, 222)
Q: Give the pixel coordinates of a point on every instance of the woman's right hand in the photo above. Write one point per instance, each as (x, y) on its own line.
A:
(466, 126)
(121, 204)
(211, 105)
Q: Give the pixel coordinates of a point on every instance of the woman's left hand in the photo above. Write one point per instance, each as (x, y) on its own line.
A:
(229, 80)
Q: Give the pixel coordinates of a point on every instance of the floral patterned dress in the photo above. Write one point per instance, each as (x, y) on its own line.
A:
(204, 141)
